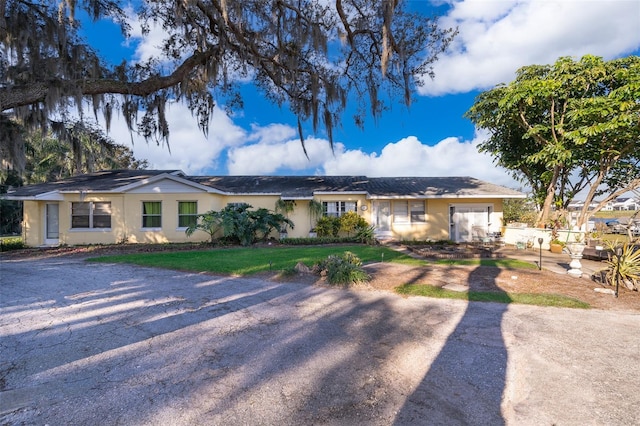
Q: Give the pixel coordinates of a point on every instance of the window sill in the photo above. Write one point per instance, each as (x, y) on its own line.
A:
(150, 229)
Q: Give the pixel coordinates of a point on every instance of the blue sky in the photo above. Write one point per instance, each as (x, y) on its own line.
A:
(431, 138)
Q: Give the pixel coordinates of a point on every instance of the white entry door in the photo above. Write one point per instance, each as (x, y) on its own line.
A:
(382, 217)
(464, 219)
(52, 224)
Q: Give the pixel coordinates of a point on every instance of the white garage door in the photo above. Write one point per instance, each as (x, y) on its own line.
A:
(469, 220)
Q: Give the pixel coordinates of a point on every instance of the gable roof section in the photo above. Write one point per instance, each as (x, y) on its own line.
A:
(287, 187)
(104, 181)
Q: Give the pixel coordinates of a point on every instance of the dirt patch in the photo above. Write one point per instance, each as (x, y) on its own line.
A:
(387, 276)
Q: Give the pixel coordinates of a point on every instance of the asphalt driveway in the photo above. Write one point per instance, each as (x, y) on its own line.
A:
(84, 343)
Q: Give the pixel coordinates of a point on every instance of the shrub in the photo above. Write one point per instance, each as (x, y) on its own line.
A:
(345, 269)
(311, 241)
(350, 222)
(238, 223)
(11, 243)
(365, 234)
(626, 267)
(328, 226)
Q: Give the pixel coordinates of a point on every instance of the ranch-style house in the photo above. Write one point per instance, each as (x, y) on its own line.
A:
(156, 206)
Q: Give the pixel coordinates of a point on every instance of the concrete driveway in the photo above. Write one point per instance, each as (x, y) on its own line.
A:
(84, 343)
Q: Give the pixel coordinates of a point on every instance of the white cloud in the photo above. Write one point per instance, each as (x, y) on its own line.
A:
(407, 157)
(410, 157)
(277, 151)
(498, 37)
(190, 150)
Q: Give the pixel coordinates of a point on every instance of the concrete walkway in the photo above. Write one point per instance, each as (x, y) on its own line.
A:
(558, 263)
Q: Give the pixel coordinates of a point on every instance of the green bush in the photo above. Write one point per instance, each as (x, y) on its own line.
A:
(366, 234)
(316, 241)
(11, 243)
(328, 226)
(350, 222)
(345, 269)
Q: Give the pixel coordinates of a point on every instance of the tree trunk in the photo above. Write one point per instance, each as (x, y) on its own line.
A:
(551, 192)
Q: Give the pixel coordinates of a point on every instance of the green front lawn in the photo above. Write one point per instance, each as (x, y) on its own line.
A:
(246, 261)
(493, 296)
(502, 263)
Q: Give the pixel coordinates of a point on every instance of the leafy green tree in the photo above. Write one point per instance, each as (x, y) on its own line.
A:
(10, 211)
(71, 149)
(66, 150)
(567, 128)
(519, 210)
(308, 55)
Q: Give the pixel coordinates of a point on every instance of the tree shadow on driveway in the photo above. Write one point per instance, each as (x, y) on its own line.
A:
(466, 382)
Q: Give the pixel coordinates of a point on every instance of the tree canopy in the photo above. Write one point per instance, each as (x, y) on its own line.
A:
(309, 55)
(566, 128)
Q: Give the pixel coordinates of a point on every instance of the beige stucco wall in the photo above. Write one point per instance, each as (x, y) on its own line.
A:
(437, 218)
(33, 223)
(126, 219)
(131, 227)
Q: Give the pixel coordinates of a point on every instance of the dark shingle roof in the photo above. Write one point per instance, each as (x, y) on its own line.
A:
(107, 180)
(285, 186)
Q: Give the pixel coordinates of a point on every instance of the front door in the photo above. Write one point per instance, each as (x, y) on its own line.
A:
(52, 224)
(382, 217)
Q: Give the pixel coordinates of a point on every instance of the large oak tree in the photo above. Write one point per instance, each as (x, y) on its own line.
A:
(566, 128)
(311, 56)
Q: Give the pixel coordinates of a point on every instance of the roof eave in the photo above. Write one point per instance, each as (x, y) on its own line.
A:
(443, 196)
(45, 196)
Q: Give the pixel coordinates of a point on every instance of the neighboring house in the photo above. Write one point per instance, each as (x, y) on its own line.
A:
(626, 204)
(156, 206)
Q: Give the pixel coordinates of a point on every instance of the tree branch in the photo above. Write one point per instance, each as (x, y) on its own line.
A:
(37, 91)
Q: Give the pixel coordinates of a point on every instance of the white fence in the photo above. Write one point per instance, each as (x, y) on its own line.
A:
(523, 237)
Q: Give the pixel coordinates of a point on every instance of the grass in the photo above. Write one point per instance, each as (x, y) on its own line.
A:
(247, 261)
(614, 214)
(498, 263)
(489, 296)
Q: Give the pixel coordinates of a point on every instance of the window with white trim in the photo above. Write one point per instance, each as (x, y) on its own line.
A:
(400, 212)
(338, 208)
(409, 212)
(417, 212)
(152, 214)
(91, 215)
(187, 213)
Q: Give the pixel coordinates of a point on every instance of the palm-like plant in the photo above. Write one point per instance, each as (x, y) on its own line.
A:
(237, 222)
(209, 222)
(315, 212)
(626, 266)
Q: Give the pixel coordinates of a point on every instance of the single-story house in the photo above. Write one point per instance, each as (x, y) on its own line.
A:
(156, 206)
